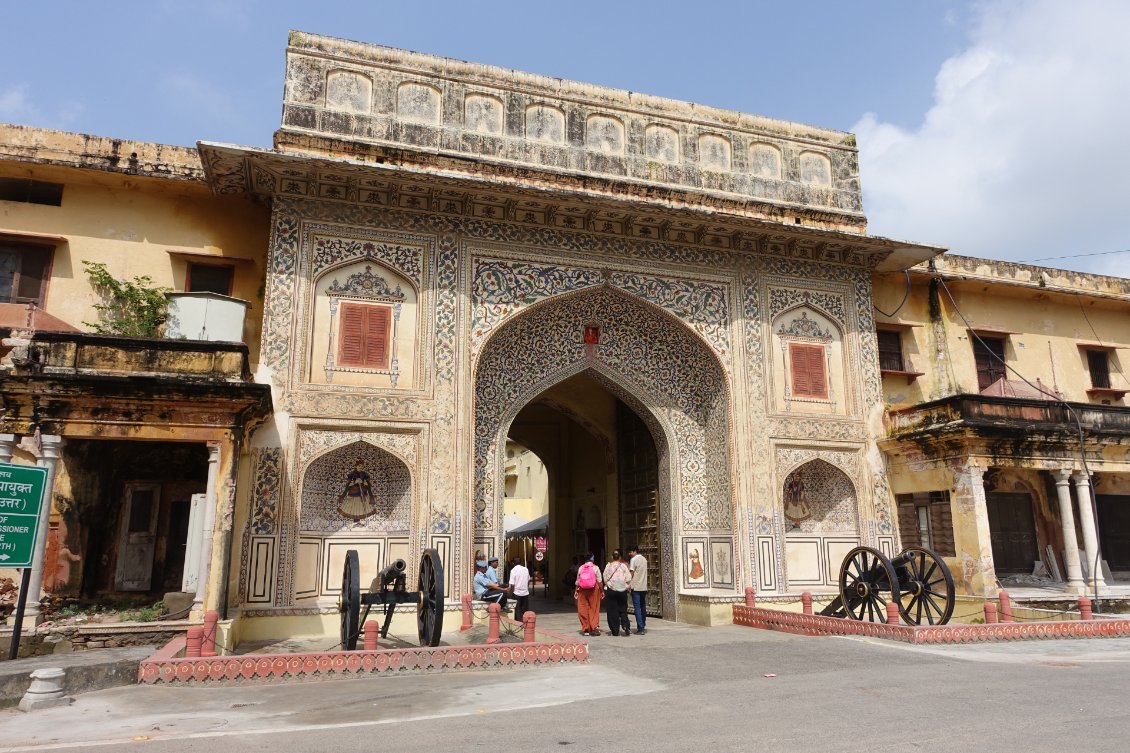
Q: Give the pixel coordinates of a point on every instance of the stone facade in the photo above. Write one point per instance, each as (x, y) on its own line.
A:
(538, 230)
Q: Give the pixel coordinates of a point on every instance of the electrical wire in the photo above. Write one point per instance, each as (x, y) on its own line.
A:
(1080, 256)
(901, 303)
(1074, 415)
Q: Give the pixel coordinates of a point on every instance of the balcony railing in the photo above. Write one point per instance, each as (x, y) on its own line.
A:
(990, 414)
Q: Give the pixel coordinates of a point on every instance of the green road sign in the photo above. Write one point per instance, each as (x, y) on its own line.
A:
(21, 498)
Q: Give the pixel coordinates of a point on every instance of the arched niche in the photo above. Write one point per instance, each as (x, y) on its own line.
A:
(417, 103)
(349, 91)
(818, 497)
(604, 133)
(482, 113)
(765, 160)
(364, 329)
(661, 143)
(815, 169)
(354, 497)
(545, 123)
(358, 488)
(820, 510)
(808, 362)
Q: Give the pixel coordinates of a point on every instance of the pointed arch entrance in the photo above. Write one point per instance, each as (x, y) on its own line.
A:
(660, 371)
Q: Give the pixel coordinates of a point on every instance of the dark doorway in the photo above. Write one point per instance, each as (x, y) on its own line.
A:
(1114, 529)
(1012, 528)
(639, 495)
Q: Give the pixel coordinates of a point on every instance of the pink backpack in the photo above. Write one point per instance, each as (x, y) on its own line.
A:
(586, 576)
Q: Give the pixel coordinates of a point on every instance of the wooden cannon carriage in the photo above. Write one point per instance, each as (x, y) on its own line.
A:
(389, 588)
(917, 580)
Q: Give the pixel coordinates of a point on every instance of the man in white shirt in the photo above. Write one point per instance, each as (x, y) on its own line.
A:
(637, 565)
(520, 588)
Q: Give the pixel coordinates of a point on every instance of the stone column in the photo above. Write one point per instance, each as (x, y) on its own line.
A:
(1087, 521)
(7, 444)
(1070, 543)
(211, 502)
(48, 457)
(972, 538)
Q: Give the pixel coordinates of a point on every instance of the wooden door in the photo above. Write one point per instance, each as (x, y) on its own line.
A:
(1012, 529)
(639, 498)
(1114, 529)
(137, 537)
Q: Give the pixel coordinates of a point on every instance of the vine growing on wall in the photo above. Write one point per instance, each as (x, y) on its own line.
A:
(134, 308)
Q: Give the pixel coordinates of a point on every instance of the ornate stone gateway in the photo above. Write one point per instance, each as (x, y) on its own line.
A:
(653, 362)
(685, 292)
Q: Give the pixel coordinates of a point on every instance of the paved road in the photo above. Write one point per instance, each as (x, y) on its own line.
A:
(679, 688)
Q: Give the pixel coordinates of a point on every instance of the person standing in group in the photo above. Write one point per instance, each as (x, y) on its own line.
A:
(588, 594)
(616, 578)
(519, 587)
(637, 566)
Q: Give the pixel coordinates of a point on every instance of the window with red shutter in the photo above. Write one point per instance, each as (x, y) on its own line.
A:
(364, 336)
(809, 376)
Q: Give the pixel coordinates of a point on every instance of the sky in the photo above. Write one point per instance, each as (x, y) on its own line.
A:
(996, 128)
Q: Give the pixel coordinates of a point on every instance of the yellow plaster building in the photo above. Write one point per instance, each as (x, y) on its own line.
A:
(1008, 432)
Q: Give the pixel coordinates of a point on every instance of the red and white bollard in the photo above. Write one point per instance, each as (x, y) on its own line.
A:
(372, 635)
(529, 627)
(1085, 612)
(892, 613)
(494, 623)
(1006, 606)
(208, 645)
(990, 613)
(750, 596)
(468, 615)
(806, 602)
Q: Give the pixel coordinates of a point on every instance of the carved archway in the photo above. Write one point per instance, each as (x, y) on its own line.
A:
(649, 359)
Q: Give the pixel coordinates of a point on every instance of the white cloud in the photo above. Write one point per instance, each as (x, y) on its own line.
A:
(1024, 152)
(15, 107)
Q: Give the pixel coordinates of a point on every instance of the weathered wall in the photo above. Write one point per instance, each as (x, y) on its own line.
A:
(150, 221)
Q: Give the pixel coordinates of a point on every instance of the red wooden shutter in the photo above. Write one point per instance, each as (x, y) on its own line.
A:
(364, 336)
(376, 337)
(808, 374)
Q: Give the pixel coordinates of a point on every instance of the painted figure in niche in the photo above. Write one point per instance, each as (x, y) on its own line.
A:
(796, 500)
(357, 501)
(695, 562)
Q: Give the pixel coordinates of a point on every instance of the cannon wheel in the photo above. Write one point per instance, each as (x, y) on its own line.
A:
(349, 603)
(929, 583)
(429, 609)
(864, 575)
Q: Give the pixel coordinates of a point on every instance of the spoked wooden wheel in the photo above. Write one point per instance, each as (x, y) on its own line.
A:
(864, 576)
(429, 608)
(927, 587)
(349, 603)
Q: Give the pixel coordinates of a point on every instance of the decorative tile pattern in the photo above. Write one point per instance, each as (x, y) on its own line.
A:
(332, 251)
(265, 491)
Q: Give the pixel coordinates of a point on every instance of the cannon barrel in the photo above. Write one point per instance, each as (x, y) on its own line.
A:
(394, 570)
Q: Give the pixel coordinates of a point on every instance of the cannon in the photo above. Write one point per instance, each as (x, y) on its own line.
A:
(917, 580)
(390, 588)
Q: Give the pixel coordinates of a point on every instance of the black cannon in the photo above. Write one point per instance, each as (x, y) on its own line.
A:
(917, 580)
(389, 588)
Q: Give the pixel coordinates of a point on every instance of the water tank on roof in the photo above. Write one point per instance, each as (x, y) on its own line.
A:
(205, 316)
